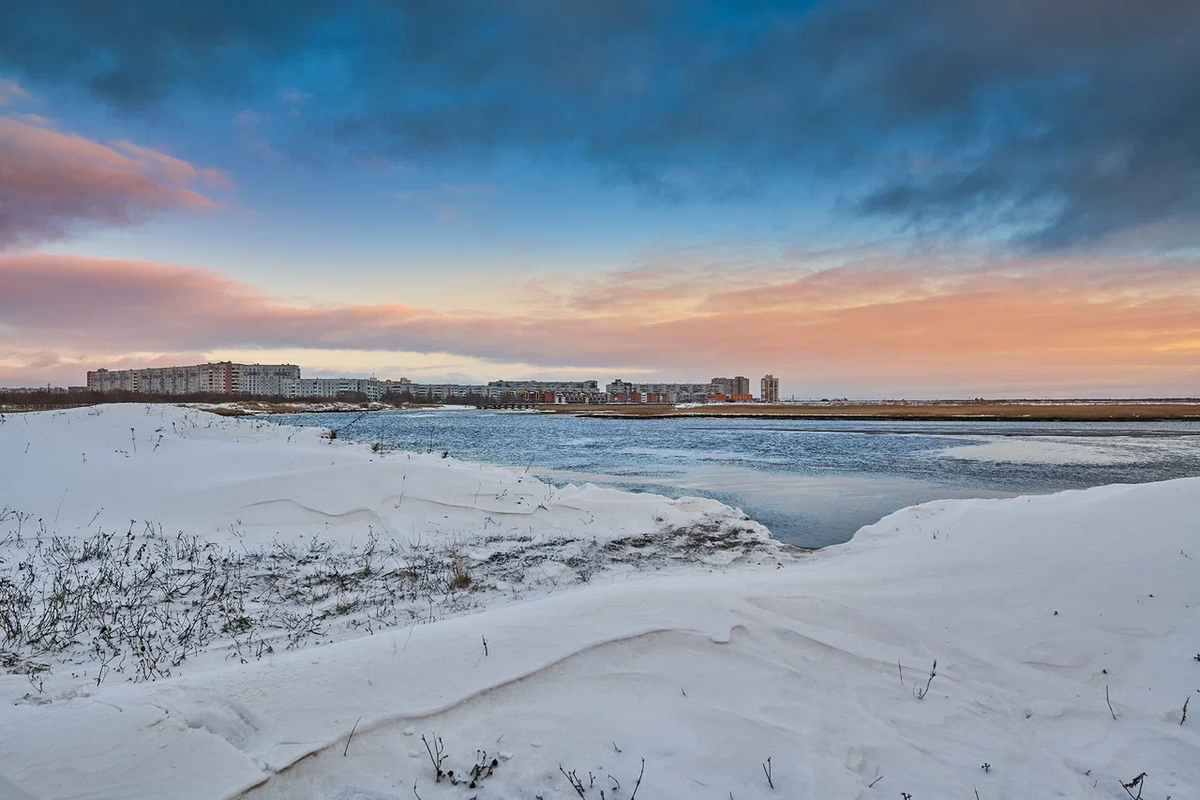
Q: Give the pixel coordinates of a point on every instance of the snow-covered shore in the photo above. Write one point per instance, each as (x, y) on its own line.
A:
(259, 537)
(1034, 608)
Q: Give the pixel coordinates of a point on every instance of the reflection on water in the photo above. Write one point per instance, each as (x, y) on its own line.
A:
(812, 483)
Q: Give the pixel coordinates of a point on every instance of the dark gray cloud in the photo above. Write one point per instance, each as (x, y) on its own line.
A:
(1069, 121)
(1056, 123)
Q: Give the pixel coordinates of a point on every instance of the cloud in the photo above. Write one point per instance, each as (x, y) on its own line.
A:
(171, 169)
(448, 202)
(11, 91)
(293, 95)
(249, 123)
(1063, 130)
(1030, 120)
(55, 181)
(33, 119)
(962, 325)
(294, 98)
(247, 117)
(32, 367)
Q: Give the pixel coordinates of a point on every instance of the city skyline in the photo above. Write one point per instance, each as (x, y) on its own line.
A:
(286, 380)
(864, 199)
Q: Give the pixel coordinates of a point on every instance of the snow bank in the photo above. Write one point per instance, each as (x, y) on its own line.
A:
(182, 469)
(1032, 607)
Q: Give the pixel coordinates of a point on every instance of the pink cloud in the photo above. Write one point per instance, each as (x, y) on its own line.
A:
(171, 169)
(216, 178)
(39, 367)
(1029, 324)
(55, 180)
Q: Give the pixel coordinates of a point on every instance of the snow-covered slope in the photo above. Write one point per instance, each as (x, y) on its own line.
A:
(179, 468)
(1034, 608)
(238, 537)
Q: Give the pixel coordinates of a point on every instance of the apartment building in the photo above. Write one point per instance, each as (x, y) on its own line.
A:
(116, 380)
(769, 386)
(218, 377)
(737, 388)
(437, 391)
(581, 392)
(620, 391)
(576, 392)
(546, 386)
(717, 390)
(262, 379)
(331, 387)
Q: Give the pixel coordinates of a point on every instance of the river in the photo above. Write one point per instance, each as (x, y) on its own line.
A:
(812, 482)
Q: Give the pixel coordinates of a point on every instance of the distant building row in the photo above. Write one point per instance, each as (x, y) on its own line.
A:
(283, 380)
(716, 390)
(575, 392)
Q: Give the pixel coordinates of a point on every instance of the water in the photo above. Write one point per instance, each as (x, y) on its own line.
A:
(812, 482)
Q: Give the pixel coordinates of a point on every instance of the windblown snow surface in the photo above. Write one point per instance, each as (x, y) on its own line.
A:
(314, 588)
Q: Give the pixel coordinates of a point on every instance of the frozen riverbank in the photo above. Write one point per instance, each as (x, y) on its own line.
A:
(1034, 608)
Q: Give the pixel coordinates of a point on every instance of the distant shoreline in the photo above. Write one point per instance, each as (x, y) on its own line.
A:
(927, 411)
(1098, 411)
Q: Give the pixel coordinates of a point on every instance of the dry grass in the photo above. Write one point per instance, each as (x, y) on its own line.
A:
(945, 411)
(228, 412)
(138, 605)
(460, 575)
(241, 408)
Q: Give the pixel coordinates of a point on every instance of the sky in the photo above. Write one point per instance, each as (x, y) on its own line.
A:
(866, 198)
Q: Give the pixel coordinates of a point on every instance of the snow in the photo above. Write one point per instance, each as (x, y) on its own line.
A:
(257, 537)
(1033, 607)
(1048, 451)
(316, 407)
(98, 469)
(1069, 449)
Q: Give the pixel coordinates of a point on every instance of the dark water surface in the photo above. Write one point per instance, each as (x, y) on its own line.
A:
(812, 482)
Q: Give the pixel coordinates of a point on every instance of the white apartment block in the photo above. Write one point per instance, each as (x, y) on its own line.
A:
(220, 377)
(546, 386)
(118, 380)
(674, 392)
(439, 391)
(331, 387)
(262, 379)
